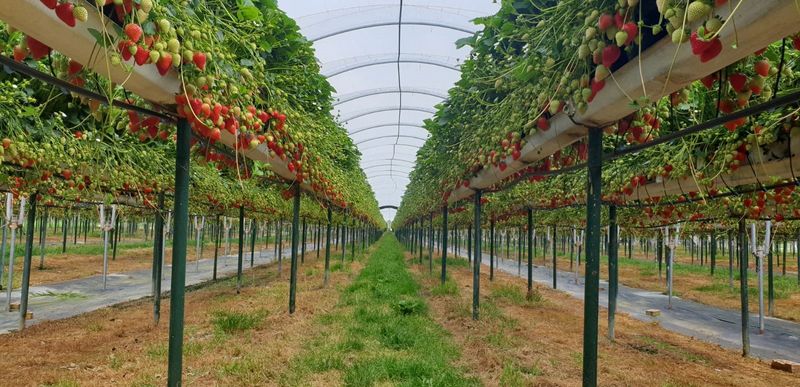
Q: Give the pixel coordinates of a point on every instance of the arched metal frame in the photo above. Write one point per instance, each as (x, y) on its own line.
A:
(379, 160)
(387, 165)
(389, 162)
(392, 175)
(412, 125)
(386, 90)
(388, 207)
(389, 109)
(401, 145)
(391, 136)
(378, 62)
(392, 23)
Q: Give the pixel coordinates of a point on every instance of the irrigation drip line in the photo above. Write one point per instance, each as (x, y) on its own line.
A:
(66, 86)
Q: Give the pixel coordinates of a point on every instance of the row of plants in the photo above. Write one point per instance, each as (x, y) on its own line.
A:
(502, 98)
(245, 71)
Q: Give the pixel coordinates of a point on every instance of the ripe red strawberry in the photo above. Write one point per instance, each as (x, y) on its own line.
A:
(543, 124)
(762, 68)
(164, 63)
(714, 49)
(50, 3)
(709, 81)
(74, 67)
(141, 56)
(610, 55)
(738, 81)
(720, 3)
(134, 32)
(632, 29)
(199, 60)
(605, 22)
(124, 49)
(37, 49)
(20, 53)
(64, 12)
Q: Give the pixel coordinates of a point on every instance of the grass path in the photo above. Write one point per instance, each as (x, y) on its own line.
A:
(379, 333)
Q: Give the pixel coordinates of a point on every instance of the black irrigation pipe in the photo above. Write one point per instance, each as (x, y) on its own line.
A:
(66, 86)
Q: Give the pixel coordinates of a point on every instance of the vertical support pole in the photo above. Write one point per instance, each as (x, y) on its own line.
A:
(303, 244)
(770, 278)
(179, 240)
(43, 238)
(295, 232)
(431, 242)
(530, 253)
(64, 226)
(241, 251)
(659, 251)
(469, 244)
(476, 271)
(713, 252)
(115, 240)
(328, 247)
(743, 290)
(26, 263)
(13, 224)
(253, 242)
(613, 268)
(491, 249)
(158, 257)
(444, 244)
(3, 248)
(592, 286)
(555, 262)
(217, 237)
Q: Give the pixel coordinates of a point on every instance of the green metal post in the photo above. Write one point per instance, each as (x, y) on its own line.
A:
(613, 273)
(592, 285)
(328, 246)
(713, 252)
(295, 232)
(431, 242)
(444, 244)
(770, 283)
(253, 242)
(158, 257)
(179, 241)
(491, 249)
(241, 251)
(476, 271)
(530, 253)
(555, 263)
(43, 239)
(743, 289)
(217, 237)
(26, 263)
(303, 245)
(64, 226)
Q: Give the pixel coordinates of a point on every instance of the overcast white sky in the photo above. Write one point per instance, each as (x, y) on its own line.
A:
(357, 44)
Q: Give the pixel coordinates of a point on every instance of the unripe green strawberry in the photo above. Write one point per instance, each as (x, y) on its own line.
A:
(146, 5)
(164, 25)
(80, 13)
(621, 37)
(187, 56)
(697, 10)
(713, 25)
(600, 73)
(174, 46)
(583, 51)
(154, 55)
(679, 36)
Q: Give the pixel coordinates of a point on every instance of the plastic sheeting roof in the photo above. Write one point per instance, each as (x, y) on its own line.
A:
(391, 62)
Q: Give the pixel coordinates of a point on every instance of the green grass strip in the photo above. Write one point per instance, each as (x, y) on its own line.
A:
(380, 333)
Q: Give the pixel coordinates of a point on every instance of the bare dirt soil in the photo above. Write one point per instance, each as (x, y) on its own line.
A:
(519, 342)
